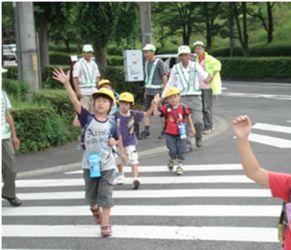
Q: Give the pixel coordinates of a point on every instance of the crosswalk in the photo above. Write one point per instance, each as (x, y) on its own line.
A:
(205, 204)
(277, 140)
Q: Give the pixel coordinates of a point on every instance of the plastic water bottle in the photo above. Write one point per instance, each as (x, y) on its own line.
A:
(182, 130)
(94, 164)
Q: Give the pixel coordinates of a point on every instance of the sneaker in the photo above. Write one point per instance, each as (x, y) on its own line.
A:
(199, 143)
(105, 231)
(171, 164)
(119, 179)
(144, 134)
(208, 131)
(135, 184)
(179, 170)
(15, 202)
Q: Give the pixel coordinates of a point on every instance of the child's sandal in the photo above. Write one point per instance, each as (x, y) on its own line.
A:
(106, 231)
(97, 215)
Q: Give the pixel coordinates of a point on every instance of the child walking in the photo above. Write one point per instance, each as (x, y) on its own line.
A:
(279, 183)
(125, 119)
(99, 135)
(176, 115)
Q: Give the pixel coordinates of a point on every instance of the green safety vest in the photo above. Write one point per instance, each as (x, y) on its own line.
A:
(5, 129)
(90, 80)
(191, 86)
(149, 77)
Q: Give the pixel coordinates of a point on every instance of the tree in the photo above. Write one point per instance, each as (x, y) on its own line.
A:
(7, 23)
(241, 8)
(266, 20)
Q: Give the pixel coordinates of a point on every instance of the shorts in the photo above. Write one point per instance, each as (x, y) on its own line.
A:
(99, 190)
(132, 156)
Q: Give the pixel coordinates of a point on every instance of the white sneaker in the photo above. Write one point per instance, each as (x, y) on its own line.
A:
(179, 169)
(119, 179)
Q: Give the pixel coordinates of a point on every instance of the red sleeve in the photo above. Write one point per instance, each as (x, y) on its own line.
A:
(163, 110)
(280, 185)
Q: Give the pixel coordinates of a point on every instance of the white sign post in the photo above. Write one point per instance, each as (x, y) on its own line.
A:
(133, 65)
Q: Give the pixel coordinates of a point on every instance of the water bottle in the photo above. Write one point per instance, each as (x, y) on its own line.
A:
(182, 130)
(94, 164)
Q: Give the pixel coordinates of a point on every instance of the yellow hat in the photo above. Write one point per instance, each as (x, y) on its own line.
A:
(104, 91)
(126, 97)
(172, 91)
(104, 81)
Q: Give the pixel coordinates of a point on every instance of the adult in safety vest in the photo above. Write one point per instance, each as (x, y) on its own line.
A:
(85, 76)
(212, 66)
(186, 76)
(155, 80)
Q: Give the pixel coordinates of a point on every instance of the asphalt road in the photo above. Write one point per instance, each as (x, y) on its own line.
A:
(212, 206)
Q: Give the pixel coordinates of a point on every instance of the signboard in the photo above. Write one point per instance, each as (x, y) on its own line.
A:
(133, 65)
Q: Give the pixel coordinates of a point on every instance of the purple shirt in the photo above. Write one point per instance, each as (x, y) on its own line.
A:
(126, 126)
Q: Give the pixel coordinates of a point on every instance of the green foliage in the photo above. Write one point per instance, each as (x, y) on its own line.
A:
(115, 60)
(12, 72)
(113, 50)
(7, 22)
(117, 77)
(48, 81)
(14, 88)
(38, 127)
(62, 48)
(256, 68)
(59, 58)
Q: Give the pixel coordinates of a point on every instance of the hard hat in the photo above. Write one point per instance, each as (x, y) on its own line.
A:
(87, 48)
(172, 91)
(198, 43)
(104, 91)
(149, 47)
(103, 82)
(126, 97)
(184, 49)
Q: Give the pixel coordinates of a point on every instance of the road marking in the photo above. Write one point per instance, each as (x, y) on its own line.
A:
(272, 127)
(248, 234)
(253, 95)
(150, 169)
(143, 180)
(182, 210)
(269, 140)
(165, 193)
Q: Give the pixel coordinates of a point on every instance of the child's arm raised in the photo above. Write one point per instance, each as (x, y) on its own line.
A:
(63, 78)
(253, 170)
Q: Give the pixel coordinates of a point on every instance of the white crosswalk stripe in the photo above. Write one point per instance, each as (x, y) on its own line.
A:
(45, 203)
(271, 140)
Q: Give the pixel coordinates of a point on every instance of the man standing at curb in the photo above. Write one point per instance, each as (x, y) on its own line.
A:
(8, 134)
(155, 80)
(212, 66)
(85, 75)
(186, 75)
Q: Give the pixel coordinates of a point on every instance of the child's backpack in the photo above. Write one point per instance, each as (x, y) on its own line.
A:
(169, 106)
(283, 222)
(133, 120)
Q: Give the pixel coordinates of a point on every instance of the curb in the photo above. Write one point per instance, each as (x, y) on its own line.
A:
(221, 127)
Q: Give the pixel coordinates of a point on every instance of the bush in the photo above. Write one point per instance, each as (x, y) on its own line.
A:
(59, 58)
(48, 81)
(61, 48)
(12, 72)
(117, 51)
(38, 127)
(117, 77)
(115, 60)
(256, 67)
(14, 88)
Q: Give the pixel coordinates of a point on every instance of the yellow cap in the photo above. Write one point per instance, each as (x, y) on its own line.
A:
(126, 97)
(104, 91)
(104, 81)
(172, 91)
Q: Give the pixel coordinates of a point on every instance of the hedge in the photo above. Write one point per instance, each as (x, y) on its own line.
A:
(115, 60)
(14, 88)
(48, 81)
(256, 67)
(60, 58)
(12, 72)
(38, 127)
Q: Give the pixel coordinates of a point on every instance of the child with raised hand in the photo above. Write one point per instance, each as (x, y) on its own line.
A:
(99, 135)
(279, 183)
(177, 117)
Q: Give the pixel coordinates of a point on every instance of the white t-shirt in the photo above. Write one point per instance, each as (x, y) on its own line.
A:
(5, 105)
(87, 73)
(175, 77)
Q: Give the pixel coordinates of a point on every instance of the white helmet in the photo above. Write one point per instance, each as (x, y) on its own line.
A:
(150, 47)
(184, 49)
(198, 43)
(87, 48)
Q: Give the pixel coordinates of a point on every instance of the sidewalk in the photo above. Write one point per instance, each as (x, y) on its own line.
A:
(69, 156)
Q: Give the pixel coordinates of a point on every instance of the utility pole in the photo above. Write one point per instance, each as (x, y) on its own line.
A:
(145, 21)
(27, 52)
